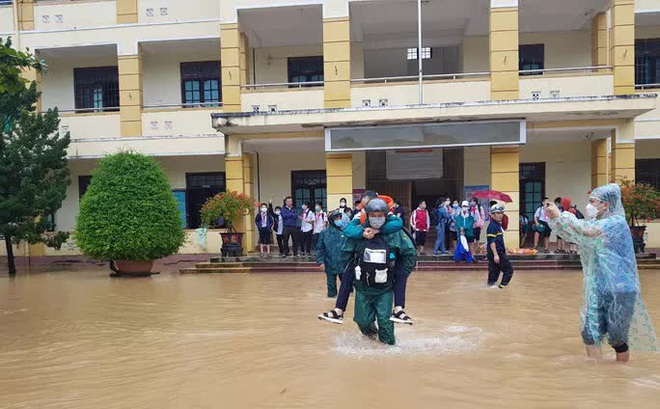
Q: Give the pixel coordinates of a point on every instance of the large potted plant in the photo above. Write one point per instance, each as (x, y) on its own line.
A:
(641, 202)
(128, 215)
(229, 207)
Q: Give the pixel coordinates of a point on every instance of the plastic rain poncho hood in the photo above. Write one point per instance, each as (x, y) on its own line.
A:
(610, 272)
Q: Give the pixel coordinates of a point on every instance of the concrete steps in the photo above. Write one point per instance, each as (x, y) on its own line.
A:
(545, 262)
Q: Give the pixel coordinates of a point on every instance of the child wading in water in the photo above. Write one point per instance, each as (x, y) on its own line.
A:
(328, 251)
(374, 262)
(498, 262)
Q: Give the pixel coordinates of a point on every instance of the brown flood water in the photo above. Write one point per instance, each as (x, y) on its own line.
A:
(83, 340)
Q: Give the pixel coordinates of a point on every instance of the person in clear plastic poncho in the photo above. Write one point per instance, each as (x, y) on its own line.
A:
(612, 307)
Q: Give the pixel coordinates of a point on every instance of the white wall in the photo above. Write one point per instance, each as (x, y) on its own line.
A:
(275, 172)
(476, 166)
(6, 19)
(563, 49)
(177, 10)
(60, 15)
(271, 63)
(57, 82)
(475, 54)
(161, 73)
(175, 168)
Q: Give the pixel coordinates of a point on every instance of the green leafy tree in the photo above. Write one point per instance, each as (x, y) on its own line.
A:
(129, 211)
(33, 165)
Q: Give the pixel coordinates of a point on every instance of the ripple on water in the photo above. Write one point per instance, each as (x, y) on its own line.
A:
(450, 340)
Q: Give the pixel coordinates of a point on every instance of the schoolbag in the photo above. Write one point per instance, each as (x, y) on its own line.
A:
(375, 265)
(435, 219)
(578, 214)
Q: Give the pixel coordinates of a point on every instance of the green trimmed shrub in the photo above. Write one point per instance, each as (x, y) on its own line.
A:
(129, 211)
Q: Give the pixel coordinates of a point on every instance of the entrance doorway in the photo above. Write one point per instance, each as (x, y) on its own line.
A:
(532, 190)
(309, 186)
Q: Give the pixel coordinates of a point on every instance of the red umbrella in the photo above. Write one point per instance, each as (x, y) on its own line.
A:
(493, 195)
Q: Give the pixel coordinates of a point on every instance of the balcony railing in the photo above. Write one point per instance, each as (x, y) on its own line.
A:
(577, 70)
(89, 110)
(309, 84)
(179, 105)
(647, 86)
(408, 78)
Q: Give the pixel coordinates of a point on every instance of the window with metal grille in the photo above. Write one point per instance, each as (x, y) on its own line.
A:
(96, 89)
(532, 187)
(412, 53)
(305, 69)
(647, 61)
(199, 188)
(201, 84)
(309, 186)
(648, 171)
(532, 57)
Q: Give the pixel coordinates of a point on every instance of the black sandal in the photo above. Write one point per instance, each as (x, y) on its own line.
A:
(401, 317)
(332, 316)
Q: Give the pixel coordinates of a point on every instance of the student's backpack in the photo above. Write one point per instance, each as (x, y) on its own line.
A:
(578, 214)
(376, 264)
(435, 218)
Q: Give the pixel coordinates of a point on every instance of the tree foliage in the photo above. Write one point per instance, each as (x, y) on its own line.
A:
(33, 165)
(129, 211)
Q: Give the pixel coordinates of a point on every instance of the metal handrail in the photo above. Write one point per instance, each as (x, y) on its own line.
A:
(415, 78)
(645, 86)
(283, 84)
(89, 110)
(185, 105)
(567, 69)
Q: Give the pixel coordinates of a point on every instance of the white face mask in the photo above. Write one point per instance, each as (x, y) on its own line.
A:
(377, 222)
(342, 204)
(277, 212)
(264, 210)
(592, 211)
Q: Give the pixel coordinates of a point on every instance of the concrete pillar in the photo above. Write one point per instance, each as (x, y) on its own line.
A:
(599, 166)
(127, 11)
(599, 40)
(503, 49)
(337, 62)
(25, 15)
(130, 94)
(622, 46)
(623, 153)
(504, 177)
(31, 74)
(339, 177)
(248, 188)
(234, 65)
(238, 173)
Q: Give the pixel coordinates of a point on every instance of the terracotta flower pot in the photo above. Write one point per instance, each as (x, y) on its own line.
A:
(134, 267)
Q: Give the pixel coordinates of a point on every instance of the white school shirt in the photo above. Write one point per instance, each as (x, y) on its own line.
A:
(280, 225)
(307, 222)
(540, 215)
(319, 222)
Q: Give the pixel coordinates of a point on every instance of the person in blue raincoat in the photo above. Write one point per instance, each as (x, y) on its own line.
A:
(612, 307)
(328, 251)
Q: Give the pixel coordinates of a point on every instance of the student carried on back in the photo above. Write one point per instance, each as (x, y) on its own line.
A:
(374, 261)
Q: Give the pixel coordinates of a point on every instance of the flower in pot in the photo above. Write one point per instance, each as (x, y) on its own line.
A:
(128, 215)
(641, 202)
(229, 207)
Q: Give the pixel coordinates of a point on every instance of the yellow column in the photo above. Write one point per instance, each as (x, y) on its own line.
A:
(25, 15)
(234, 66)
(127, 11)
(337, 62)
(503, 46)
(623, 46)
(339, 177)
(599, 46)
(32, 75)
(623, 153)
(248, 189)
(599, 168)
(238, 172)
(130, 94)
(504, 177)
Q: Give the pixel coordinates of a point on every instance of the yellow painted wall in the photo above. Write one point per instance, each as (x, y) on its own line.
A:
(161, 76)
(283, 98)
(57, 81)
(70, 14)
(177, 10)
(569, 86)
(6, 20)
(434, 92)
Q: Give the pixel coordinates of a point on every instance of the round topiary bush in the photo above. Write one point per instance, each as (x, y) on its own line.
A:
(129, 211)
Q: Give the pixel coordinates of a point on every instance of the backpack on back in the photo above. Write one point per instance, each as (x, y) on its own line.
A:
(578, 214)
(375, 265)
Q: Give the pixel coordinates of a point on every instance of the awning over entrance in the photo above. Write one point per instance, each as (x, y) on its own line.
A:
(431, 135)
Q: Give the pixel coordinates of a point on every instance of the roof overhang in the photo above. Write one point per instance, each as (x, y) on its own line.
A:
(546, 110)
